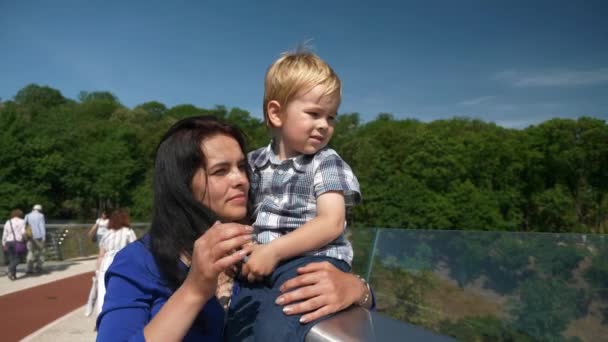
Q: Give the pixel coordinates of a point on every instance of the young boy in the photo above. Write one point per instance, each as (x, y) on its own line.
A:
(300, 189)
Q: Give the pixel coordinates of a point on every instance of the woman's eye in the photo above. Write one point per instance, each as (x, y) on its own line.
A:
(218, 172)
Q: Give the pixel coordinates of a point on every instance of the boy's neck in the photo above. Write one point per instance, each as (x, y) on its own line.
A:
(282, 151)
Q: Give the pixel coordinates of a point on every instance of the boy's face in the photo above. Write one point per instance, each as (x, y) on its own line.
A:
(306, 123)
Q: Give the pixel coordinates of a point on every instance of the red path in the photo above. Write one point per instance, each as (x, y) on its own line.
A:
(25, 311)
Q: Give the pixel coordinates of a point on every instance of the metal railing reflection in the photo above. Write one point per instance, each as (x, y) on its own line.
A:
(500, 286)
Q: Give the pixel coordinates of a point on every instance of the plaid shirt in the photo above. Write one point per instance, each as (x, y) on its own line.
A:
(284, 194)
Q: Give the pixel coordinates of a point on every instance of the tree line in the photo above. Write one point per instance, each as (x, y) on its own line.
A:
(76, 156)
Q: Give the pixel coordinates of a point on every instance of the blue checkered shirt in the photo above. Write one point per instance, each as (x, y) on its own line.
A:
(284, 194)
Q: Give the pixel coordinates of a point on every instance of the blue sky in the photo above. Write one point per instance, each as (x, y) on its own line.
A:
(515, 63)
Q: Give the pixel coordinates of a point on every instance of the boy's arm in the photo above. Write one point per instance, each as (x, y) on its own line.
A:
(316, 233)
(313, 235)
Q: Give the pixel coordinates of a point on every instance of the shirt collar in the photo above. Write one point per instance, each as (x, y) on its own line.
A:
(268, 156)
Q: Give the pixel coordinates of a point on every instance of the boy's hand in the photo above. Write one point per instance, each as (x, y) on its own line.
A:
(235, 270)
(261, 263)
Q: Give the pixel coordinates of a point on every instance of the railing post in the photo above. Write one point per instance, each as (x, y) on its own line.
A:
(57, 247)
(80, 247)
(371, 255)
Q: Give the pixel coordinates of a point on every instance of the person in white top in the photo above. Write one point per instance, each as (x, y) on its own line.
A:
(100, 227)
(118, 236)
(14, 231)
(96, 234)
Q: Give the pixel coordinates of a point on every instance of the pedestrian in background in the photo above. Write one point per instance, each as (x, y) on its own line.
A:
(13, 236)
(35, 245)
(96, 233)
(100, 227)
(118, 236)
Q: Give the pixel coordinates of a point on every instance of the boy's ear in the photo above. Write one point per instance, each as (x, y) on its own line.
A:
(274, 114)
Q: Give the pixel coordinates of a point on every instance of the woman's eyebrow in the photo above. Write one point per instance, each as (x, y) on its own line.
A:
(221, 163)
(226, 163)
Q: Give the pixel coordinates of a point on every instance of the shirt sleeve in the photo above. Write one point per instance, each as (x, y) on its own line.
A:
(132, 236)
(129, 297)
(334, 174)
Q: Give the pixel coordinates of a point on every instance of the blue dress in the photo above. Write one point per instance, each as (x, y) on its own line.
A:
(136, 291)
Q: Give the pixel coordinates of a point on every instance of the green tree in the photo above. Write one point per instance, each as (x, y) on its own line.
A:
(544, 309)
(40, 96)
(482, 329)
(154, 108)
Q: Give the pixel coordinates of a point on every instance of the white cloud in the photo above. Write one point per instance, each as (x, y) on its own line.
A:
(554, 78)
(476, 101)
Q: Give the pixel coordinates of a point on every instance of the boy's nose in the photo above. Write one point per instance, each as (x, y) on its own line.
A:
(322, 124)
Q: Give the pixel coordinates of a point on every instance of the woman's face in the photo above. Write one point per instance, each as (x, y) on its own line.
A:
(223, 186)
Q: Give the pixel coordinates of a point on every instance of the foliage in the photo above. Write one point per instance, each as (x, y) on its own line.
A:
(597, 277)
(482, 329)
(78, 156)
(545, 308)
(537, 275)
(42, 96)
(402, 294)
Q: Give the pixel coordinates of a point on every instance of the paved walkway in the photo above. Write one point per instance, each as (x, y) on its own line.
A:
(59, 296)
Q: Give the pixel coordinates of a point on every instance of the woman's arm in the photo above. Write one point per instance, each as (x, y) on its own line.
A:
(212, 254)
(4, 235)
(321, 289)
(131, 291)
(128, 301)
(92, 231)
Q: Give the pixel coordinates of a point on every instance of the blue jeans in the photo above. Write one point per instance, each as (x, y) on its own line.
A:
(253, 315)
(13, 258)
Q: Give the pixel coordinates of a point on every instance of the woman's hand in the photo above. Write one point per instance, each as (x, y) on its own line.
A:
(219, 248)
(321, 289)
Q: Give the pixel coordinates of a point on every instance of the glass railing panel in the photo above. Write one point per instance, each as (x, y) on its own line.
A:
(488, 286)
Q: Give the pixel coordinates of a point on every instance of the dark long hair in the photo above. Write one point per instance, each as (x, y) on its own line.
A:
(178, 218)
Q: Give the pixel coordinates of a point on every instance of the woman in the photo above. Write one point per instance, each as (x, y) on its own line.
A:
(12, 236)
(117, 237)
(162, 287)
(96, 233)
(100, 227)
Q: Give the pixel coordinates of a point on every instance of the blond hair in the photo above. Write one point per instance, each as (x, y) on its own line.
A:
(296, 71)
